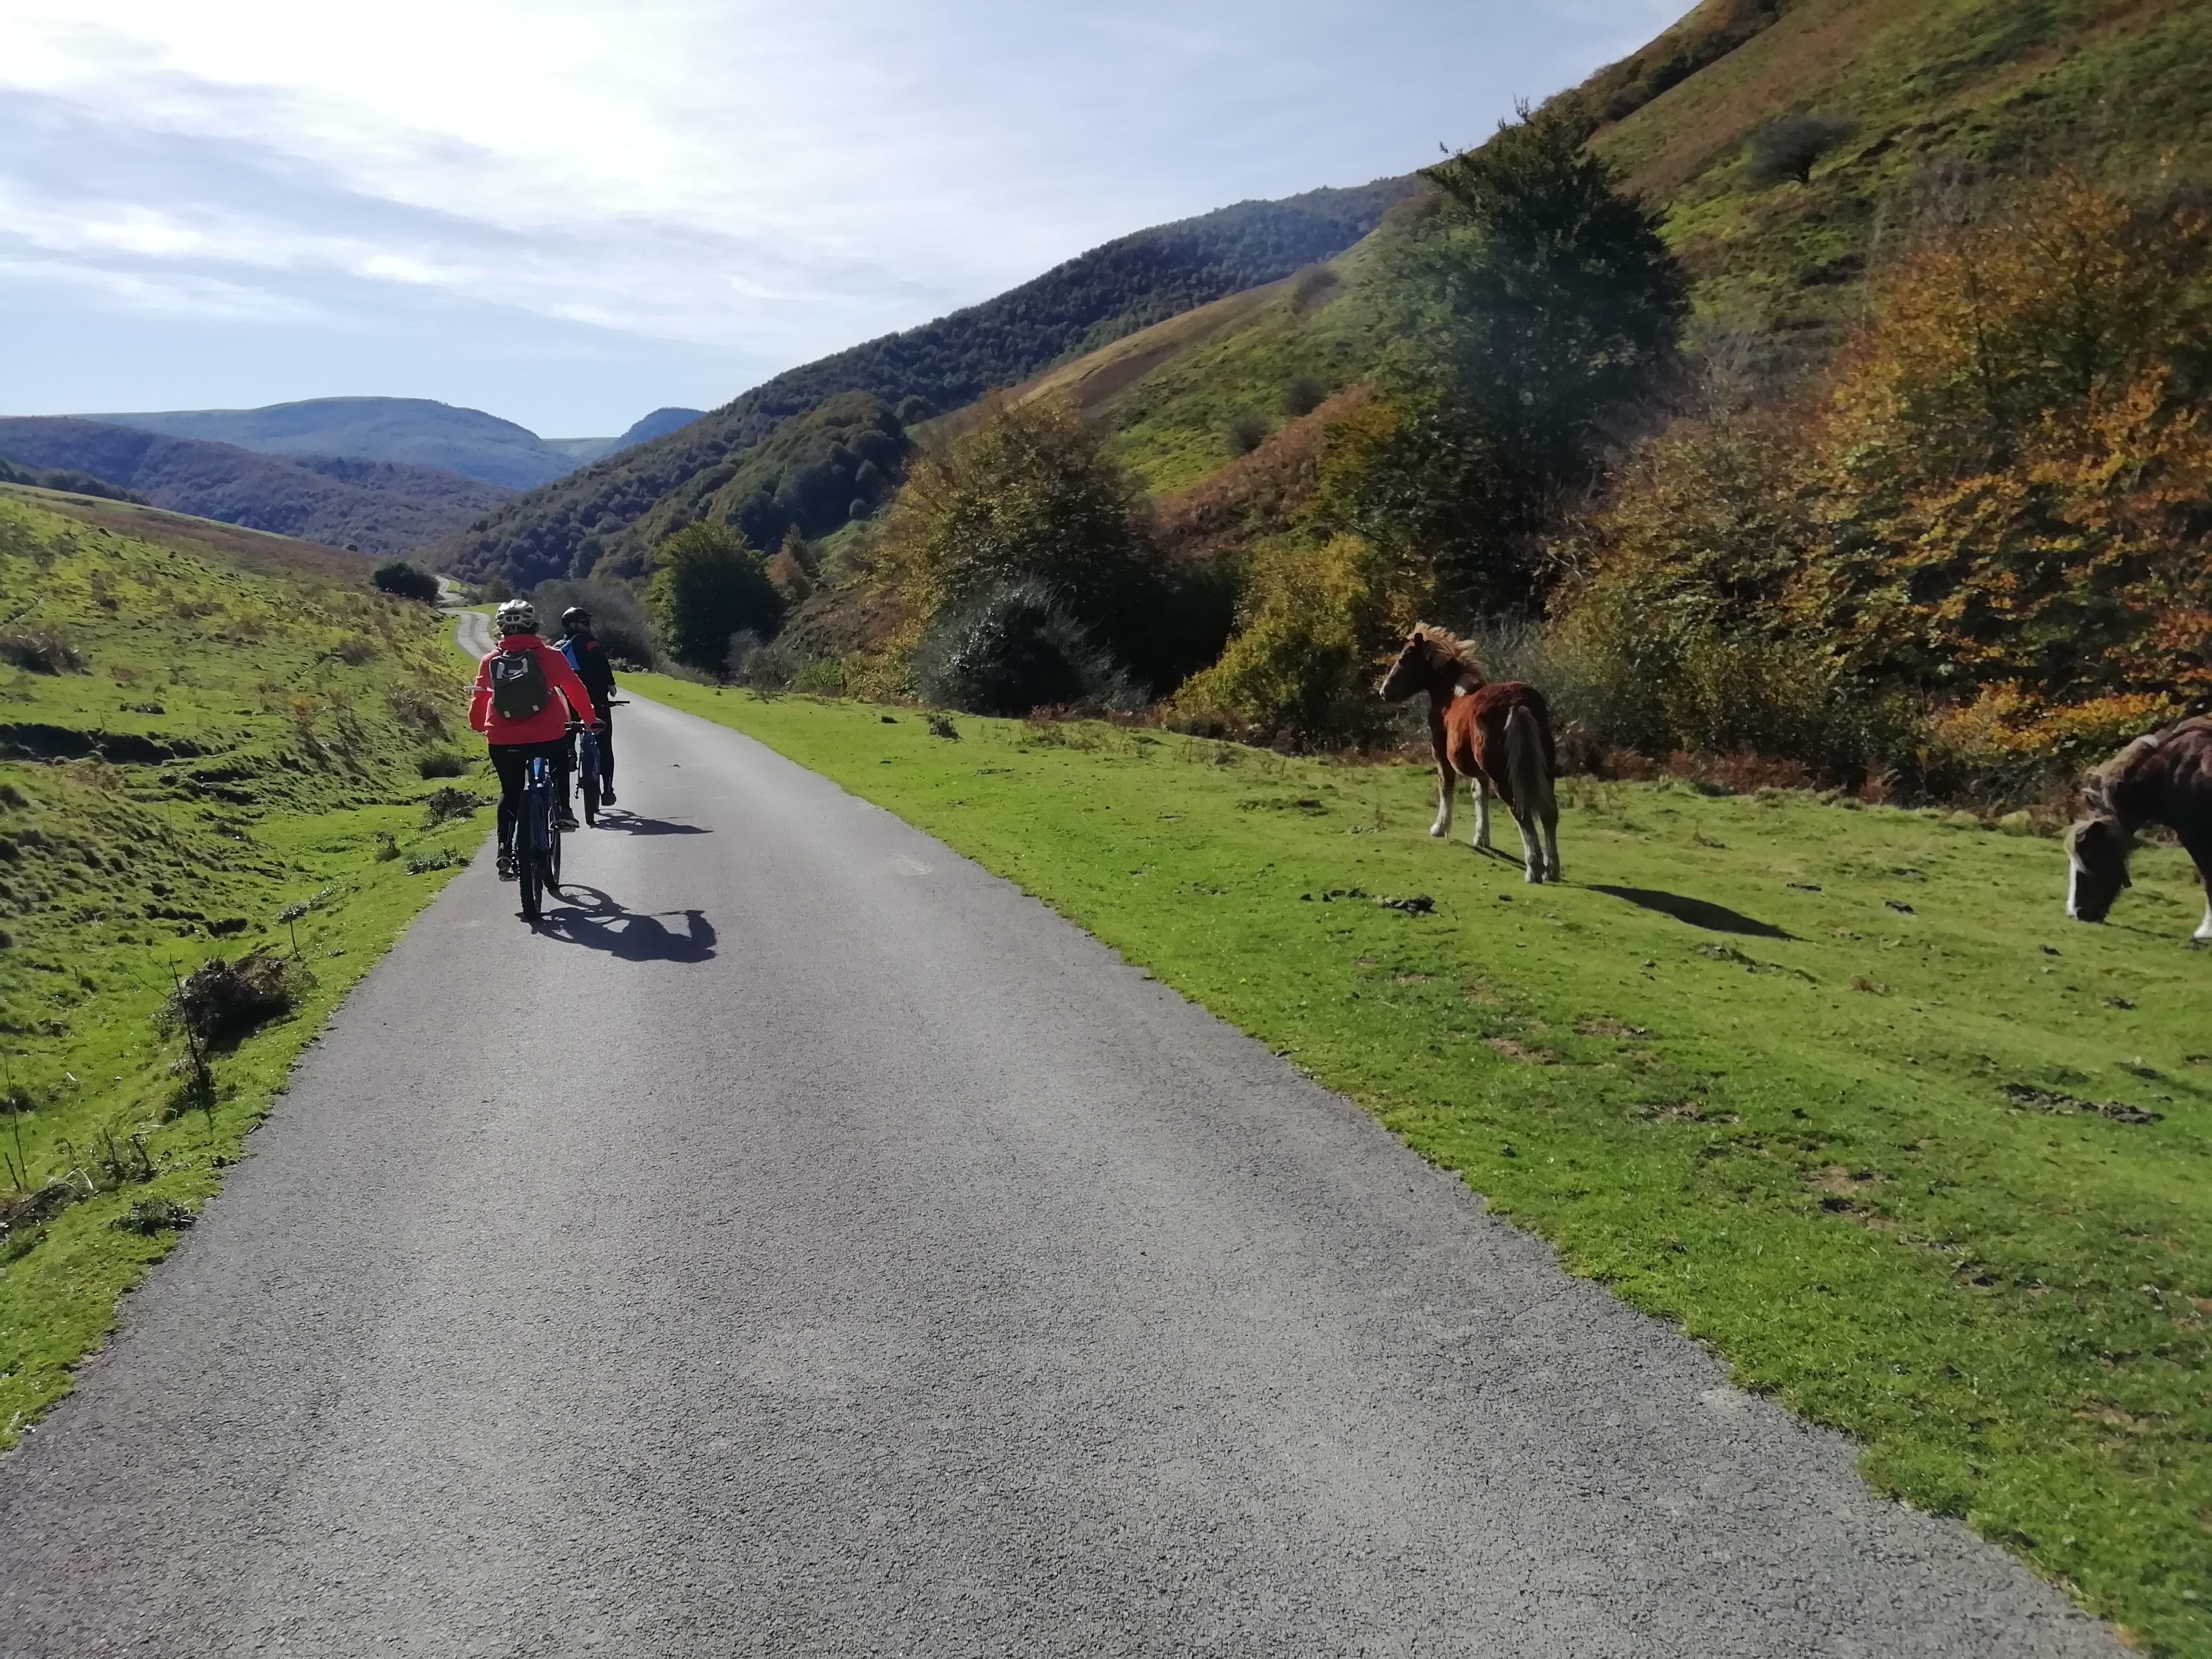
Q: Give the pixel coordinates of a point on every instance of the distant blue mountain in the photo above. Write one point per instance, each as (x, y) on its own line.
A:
(582, 452)
(345, 501)
(660, 420)
(412, 431)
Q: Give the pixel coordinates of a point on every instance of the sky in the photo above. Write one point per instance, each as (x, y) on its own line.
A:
(570, 213)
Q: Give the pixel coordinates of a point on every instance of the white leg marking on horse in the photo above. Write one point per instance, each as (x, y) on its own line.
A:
(1532, 850)
(1441, 827)
(1481, 812)
(2073, 886)
(1552, 851)
(2204, 928)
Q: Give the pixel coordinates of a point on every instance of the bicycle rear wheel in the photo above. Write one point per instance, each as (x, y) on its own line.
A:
(587, 767)
(531, 837)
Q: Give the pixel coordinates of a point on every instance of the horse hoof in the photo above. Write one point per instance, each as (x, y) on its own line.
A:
(1436, 832)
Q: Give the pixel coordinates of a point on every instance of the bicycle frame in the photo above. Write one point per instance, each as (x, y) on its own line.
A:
(538, 803)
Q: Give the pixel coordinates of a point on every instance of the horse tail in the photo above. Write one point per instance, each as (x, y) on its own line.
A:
(1528, 764)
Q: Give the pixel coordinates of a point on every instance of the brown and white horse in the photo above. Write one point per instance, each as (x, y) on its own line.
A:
(1498, 735)
(2164, 778)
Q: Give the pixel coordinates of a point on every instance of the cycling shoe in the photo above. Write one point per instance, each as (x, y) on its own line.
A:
(506, 870)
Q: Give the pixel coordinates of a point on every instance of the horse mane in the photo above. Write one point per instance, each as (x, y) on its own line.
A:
(2100, 785)
(1452, 646)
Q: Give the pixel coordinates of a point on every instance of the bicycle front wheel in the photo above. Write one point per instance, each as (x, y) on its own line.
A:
(533, 835)
(531, 873)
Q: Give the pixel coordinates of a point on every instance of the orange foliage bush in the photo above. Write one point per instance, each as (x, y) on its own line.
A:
(2000, 508)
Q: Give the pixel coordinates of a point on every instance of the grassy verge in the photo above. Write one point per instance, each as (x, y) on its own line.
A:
(1839, 1090)
(201, 730)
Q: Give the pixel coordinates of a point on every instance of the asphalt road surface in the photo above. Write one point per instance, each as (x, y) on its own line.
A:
(807, 1244)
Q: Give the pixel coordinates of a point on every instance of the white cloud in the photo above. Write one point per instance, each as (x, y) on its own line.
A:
(743, 175)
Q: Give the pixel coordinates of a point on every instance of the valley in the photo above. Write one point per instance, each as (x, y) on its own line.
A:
(1014, 1134)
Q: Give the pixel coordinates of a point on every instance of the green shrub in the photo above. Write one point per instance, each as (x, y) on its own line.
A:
(220, 1001)
(407, 581)
(153, 1215)
(1029, 495)
(1016, 647)
(708, 584)
(824, 677)
(618, 617)
(1306, 661)
(441, 806)
(440, 763)
(1303, 394)
(1787, 147)
(44, 651)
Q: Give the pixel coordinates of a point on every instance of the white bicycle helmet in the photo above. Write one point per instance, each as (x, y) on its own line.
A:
(517, 616)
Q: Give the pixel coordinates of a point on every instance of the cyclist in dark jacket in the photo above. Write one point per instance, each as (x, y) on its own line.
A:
(589, 659)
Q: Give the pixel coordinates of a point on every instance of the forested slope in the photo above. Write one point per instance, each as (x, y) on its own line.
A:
(376, 507)
(1098, 297)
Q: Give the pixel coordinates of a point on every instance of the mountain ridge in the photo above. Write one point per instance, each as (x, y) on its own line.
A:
(384, 508)
(408, 431)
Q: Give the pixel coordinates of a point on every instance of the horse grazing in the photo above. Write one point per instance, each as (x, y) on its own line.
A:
(2164, 778)
(1496, 734)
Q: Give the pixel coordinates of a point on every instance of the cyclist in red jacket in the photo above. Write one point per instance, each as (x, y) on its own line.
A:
(526, 694)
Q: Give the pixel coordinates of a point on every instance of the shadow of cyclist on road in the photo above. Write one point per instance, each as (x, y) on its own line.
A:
(613, 818)
(586, 916)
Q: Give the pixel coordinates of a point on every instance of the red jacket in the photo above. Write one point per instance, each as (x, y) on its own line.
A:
(549, 722)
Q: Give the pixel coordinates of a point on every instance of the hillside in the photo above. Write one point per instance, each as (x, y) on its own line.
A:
(1938, 102)
(1935, 102)
(376, 507)
(1090, 301)
(1942, 102)
(203, 730)
(407, 431)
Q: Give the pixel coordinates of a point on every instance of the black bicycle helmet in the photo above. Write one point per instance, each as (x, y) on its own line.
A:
(575, 620)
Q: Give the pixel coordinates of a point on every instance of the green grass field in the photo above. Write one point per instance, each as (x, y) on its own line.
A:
(1839, 1088)
(235, 729)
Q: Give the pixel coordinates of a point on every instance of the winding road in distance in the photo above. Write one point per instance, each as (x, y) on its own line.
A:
(809, 1245)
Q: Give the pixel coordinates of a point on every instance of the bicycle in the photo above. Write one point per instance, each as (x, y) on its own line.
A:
(587, 761)
(538, 839)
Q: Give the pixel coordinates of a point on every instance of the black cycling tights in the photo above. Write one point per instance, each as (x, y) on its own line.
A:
(512, 762)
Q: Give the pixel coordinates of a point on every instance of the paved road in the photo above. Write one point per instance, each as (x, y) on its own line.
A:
(810, 1245)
